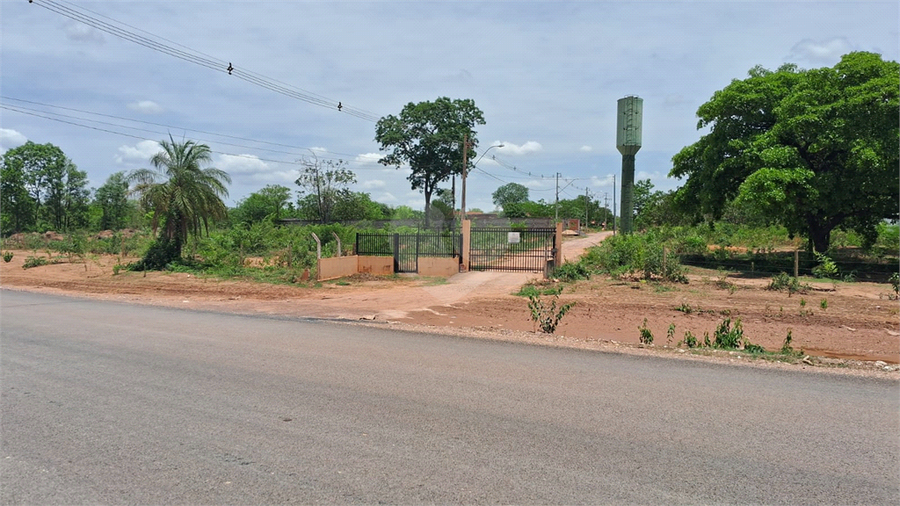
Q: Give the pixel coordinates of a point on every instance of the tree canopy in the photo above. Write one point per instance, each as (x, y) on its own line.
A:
(41, 189)
(429, 137)
(811, 149)
(510, 193)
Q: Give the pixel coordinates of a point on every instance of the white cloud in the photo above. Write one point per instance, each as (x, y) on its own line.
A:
(242, 164)
(10, 139)
(83, 33)
(585, 149)
(373, 183)
(368, 159)
(146, 107)
(827, 51)
(142, 151)
(512, 149)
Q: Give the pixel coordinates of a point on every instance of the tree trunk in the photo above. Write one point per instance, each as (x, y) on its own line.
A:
(819, 234)
(427, 208)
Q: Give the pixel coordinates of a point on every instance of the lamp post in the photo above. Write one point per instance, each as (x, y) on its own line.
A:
(464, 170)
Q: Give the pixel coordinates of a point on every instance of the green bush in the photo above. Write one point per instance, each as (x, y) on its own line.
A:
(634, 255)
(35, 262)
(826, 267)
(7, 256)
(726, 337)
(571, 271)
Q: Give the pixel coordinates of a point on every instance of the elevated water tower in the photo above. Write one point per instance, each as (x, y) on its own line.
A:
(628, 142)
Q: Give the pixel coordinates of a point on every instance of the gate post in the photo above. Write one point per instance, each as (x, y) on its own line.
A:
(396, 253)
(466, 243)
(557, 243)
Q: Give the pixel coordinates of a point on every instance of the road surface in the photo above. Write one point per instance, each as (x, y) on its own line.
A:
(114, 403)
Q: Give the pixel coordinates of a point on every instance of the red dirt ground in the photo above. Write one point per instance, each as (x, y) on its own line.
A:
(860, 323)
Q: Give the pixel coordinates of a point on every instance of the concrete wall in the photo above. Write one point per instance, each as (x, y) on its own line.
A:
(434, 266)
(378, 266)
(337, 267)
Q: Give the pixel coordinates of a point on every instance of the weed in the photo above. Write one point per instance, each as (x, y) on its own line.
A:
(782, 281)
(35, 262)
(646, 336)
(753, 348)
(826, 267)
(689, 340)
(802, 302)
(685, 308)
(547, 318)
(117, 268)
(824, 304)
(895, 285)
(571, 272)
(727, 337)
(786, 348)
(7, 256)
(670, 334)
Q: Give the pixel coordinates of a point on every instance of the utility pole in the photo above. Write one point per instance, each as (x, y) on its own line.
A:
(465, 161)
(557, 197)
(586, 206)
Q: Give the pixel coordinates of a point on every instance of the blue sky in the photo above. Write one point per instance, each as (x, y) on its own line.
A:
(547, 76)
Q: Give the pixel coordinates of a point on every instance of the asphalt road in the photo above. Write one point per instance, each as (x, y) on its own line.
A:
(112, 403)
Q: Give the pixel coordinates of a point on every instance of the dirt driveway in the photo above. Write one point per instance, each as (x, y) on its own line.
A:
(850, 323)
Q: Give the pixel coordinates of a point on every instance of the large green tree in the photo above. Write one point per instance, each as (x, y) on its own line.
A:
(111, 200)
(811, 149)
(510, 193)
(183, 193)
(267, 203)
(42, 189)
(430, 137)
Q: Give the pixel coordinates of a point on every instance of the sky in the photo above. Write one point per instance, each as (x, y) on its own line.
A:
(547, 76)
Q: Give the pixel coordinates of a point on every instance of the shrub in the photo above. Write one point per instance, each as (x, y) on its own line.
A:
(34, 262)
(571, 272)
(826, 267)
(646, 336)
(726, 337)
(547, 318)
(635, 255)
(7, 256)
(782, 281)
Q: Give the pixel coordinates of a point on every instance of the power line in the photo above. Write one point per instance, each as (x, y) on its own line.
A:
(198, 58)
(163, 125)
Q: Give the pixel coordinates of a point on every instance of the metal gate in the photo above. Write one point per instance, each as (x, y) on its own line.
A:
(511, 249)
(407, 248)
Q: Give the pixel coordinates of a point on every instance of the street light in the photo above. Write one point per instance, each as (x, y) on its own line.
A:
(464, 171)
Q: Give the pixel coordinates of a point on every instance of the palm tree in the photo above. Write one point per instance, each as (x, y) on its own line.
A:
(183, 195)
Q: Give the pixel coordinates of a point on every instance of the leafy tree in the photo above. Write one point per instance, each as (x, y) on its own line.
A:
(42, 188)
(183, 195)
(429, 137)
(811, 149)
(18, 209)
(510, 193)
(357, 206)
(405, 213)
(269, 202)
(326, 183)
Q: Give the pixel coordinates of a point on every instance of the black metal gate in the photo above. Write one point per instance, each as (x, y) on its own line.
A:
(511, 249)
(407, 248)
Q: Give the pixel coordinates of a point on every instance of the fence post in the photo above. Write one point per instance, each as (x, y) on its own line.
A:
(466, 244)
(396, 253)
(338, 239)
(318, 246)
(796, 263)
(665, 252)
